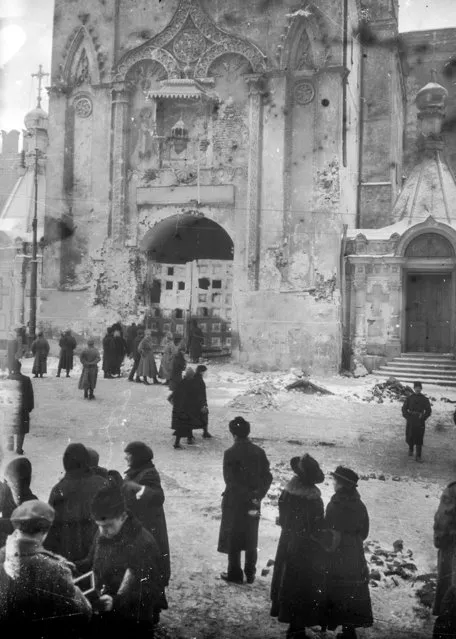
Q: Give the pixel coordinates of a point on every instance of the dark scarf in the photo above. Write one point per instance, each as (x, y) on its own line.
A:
(308, 491)
(133, 471)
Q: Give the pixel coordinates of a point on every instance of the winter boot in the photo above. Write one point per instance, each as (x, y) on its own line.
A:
(86, 394)
(155, 380)
(418, 454)
(410, 453)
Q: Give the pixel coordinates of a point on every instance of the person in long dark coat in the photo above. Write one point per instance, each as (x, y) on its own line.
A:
(144, 497)
(179, 364)
(195, 342)
(21, 425)
(119, 349)
(348, 600)
(89, 360)
(67, 345)
(247, 479)
(200, 401)
(186, 413)
(18, 475)
(40, 350)
(416, 409)
(147, 366)
(126, 562)
(299, 580)
(132, 331)
(136, 356)
(445, 542)
(108, 358)
(73, 529)
(7, 505)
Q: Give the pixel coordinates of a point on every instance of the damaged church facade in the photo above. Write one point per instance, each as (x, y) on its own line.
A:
(219, 161)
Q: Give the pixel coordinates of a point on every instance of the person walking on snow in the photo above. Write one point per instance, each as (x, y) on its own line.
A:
(169, 351)
(416, 409)
(89, 360)
(40, 350)
(247, 479)
(136, 356)
(21, 425)
(179, 364)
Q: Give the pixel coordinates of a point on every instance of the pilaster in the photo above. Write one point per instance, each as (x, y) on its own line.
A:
(120, 101)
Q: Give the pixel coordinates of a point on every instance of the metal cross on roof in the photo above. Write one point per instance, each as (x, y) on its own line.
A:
(40, 75)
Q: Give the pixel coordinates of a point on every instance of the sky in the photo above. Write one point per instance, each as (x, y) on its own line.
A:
(26, 41)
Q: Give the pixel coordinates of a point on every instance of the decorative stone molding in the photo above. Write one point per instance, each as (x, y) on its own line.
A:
(195, 40)
(80, 38)
(429, 225)
(82, 105)
(304, 92)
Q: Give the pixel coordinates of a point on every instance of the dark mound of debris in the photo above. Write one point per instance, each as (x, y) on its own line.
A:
(308, 387)
(392, 389)
(426, 592)
(389, 567)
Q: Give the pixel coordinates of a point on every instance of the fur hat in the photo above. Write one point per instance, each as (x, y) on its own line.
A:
(239, 427)
(307, 469)
(346, 476)
(108, 503)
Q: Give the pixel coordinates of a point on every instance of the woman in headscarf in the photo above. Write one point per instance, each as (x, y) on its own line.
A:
(298, 582)
(147, 366)
(179, 364)
(72, 532)
(168, 352)
(348, 598)
(18, 476)
(89, 360)
(185, 409)
(145, 497)
(40, 350)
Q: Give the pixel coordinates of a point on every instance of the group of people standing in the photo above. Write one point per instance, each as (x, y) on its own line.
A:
(320, 573)
(95, 522)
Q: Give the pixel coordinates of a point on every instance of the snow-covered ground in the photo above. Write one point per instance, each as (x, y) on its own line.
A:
(347, 427)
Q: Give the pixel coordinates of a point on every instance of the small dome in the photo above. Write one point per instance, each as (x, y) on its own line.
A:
(431, 95)
(36, 119)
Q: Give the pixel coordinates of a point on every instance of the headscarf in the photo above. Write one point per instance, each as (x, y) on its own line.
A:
(19, 472)
(140, 452)
(76, 457)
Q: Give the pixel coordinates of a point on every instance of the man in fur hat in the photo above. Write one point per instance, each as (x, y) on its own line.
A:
(416, 409)
(126, 562)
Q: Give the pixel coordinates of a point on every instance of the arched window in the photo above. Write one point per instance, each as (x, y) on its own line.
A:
(429, 245)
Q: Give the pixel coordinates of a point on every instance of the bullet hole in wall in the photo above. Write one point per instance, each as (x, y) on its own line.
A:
(325, 102)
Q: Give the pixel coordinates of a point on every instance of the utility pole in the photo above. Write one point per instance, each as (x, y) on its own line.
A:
(34, 270)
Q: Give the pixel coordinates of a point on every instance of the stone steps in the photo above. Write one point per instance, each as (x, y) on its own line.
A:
(429, 368)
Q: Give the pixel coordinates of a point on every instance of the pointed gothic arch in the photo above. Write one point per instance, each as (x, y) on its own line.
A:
(80, 44)
(307, 44)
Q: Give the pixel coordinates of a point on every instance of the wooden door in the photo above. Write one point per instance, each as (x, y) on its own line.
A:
(428, 312)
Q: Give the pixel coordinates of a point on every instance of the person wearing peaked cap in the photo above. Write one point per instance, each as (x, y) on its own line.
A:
(298, 581)
(416, 409)
(127, 565)
(89, 360)
(37, 593)
(348, 598)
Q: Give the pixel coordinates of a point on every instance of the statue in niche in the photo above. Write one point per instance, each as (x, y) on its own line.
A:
(146, 146)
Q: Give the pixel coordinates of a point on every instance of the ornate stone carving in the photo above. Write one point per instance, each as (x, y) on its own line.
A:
(168, 62)
(304, 92)
(143, 74)
(303, 54)
(82, 106)
(189, 46)
(231, 45)
(79, 37)
(82, 73)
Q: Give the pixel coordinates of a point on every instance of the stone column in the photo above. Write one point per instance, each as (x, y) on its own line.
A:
(120, 100)
(254, 179)
(395, 287)
(359, 338)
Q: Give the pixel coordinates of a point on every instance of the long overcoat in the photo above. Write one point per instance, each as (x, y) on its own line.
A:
(129, 567)
(298, 586)
(40, 349)
(89, 360)
(445, 542)
(179, 364)
(21, 424)
(348, 597)
(186, 414)
(148, 509)
(67, 345)
(247, 478)
(416, 409)
(147, 366)
(73, 530)
(119, 349)
(14, 351)
(195, 343)
(37, 594)
(108, 358)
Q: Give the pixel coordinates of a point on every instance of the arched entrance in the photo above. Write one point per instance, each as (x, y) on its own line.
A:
(190, 260)
(429, 273)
